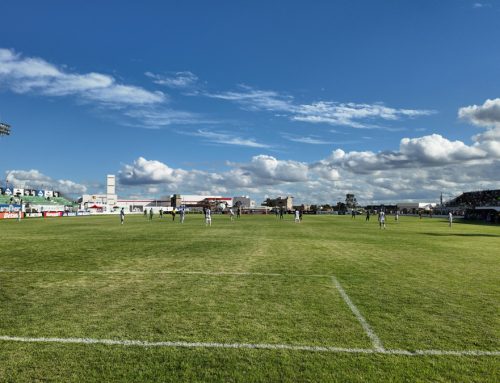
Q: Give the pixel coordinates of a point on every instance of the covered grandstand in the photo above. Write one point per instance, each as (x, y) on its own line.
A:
(482, 205)
(35, 206)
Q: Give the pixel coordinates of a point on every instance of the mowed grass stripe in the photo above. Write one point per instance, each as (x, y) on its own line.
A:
(419, 284)
(167, 272)
(188, 307)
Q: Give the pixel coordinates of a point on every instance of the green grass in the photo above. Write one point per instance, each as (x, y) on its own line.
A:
(419, 284)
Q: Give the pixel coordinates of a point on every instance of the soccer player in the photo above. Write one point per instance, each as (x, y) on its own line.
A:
(450, 218)
(122, 215)
(231, 214)
(297, 216)
(396, 217)
(151, 214)
(173, 214)
(381, 219)
(208, 217)
(161, 213)
(281, 213)
(367, 215)
(183, 214)
(238, 212)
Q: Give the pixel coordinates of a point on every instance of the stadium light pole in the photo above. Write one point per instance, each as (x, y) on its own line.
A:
(4, 129)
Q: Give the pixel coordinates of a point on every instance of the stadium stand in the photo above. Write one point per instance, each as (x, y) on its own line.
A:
(476, 199)
(6, 199)
(481, 205)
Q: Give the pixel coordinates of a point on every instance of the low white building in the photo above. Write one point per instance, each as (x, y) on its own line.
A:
(415, 206)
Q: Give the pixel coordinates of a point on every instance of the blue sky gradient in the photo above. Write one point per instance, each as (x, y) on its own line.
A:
(253, 98)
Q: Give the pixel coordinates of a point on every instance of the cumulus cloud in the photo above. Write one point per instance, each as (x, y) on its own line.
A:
(420, 169)
(354, 115)
(265, 169)
(35, 179)
(261, 170)
(486, 115)
(427, 151)
(177, 80)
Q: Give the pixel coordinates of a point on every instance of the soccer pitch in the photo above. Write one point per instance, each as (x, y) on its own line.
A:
(86, 299)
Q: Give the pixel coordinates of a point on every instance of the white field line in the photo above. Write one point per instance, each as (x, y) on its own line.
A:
(377, 344)
(209, 273)
(263, 346)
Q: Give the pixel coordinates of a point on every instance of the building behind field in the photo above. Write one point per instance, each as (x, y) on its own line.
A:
(280, 202)
(244, 202)
(415, 207)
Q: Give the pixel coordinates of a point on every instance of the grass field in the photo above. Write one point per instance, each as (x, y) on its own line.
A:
(329, 299)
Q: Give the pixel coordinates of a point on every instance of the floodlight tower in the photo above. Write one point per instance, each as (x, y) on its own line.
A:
(4, 129)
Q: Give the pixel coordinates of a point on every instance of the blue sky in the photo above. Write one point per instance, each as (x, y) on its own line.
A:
(391, 100)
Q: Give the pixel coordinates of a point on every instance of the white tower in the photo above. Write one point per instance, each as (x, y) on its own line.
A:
(111, 190)
(111, 184)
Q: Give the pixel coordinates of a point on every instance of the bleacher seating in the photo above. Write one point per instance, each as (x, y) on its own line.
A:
(6, 199)
(476, 199)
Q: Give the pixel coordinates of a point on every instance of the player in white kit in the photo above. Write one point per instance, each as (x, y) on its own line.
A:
(208, 217)
(231, 214)
(381, 219)
(183, 214)
(450, 218)
(297, 216)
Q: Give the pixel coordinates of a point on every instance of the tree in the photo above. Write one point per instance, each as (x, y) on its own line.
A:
(341, 207)
(269, 202)
(350, 201)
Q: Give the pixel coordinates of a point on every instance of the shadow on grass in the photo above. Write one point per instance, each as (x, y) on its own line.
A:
(461, 235)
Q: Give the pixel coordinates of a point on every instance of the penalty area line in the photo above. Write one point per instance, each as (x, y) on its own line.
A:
(377, 344)
(256, 346)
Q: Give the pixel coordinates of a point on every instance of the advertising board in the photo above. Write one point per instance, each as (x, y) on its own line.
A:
(7, 215)
(52, 213)
(33, 215)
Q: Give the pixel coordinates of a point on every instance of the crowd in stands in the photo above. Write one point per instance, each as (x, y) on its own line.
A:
(476, 199)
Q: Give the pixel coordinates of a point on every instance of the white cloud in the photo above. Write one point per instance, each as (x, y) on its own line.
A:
(35, 179)
(266, 169)
(419, 169)
(486, 115)
(227, 139)
(427, 151)
(153, 117)
(35, 75)
(354, 115)
(481, 5)
(178, 80)
(261, 170)
(254, 99)
(306, 140)
(130, 105)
